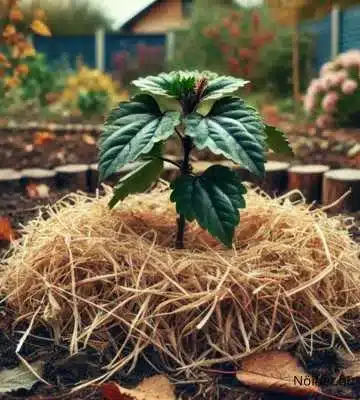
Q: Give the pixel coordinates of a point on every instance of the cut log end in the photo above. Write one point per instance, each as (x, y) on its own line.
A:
(309, 169)
(308, 179)
(276, 178)
(336, 184)
(37, 173)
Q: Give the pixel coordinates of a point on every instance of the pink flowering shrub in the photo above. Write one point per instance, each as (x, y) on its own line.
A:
(333, 99)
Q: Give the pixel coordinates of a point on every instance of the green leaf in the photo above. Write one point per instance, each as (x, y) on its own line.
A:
(176, 83)
(137, 181)
(222, 86)
(213, 199)
(132, 130)
(233, 130)
(277, 141)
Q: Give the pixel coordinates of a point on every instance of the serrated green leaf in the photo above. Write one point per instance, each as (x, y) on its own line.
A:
(137, 181)
(277, 141)
(223, 86)
(213, 199)
(231, 129)
(171, 84)
(132, 130)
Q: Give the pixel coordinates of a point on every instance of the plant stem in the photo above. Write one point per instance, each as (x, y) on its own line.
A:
(185, 170)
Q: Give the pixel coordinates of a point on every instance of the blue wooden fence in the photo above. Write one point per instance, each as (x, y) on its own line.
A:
(72, 48)
(349, 34)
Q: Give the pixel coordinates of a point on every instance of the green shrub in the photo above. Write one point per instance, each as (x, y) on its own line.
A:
(276, 63)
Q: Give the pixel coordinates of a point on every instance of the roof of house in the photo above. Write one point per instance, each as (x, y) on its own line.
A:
(138, 15)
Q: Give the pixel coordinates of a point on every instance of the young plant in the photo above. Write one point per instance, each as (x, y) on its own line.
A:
(203, 110)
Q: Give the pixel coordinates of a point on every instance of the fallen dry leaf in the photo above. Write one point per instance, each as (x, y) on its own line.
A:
(88, 139)
(20, 377)
(42, 138)
(155, 388)
(35, 191)
(278, 371)
(6, 231)
(351, 364)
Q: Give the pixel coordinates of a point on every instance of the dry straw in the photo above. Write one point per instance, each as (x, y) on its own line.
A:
(292, 277)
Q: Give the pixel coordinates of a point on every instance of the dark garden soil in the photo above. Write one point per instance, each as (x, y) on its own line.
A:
(46, 149)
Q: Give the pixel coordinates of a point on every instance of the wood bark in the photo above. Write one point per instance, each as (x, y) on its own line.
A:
(308, 179)
(73, 176)
(336, 184)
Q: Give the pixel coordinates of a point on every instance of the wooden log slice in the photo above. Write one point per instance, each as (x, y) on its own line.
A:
(73, 176)
(276, 178)
(38, 176)
(9, 180)
(308, 179)
(336, 183)
(93, 177)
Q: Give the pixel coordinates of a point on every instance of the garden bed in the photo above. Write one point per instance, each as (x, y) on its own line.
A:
(64, 371)
(36, 145)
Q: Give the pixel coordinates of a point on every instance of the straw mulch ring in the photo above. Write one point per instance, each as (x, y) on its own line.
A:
(293, 277)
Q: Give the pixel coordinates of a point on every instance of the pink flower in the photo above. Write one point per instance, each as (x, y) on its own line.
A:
(349, 59)
(349, 86)
(329, 102)
(334, 79)
(326, 68)
(309, 103)
(324, 121)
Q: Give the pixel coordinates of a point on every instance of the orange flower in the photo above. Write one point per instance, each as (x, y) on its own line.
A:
(11, 81)
(3, 58)
(15, 53)
(22, 70)
(9, 30)
(40, 28)
(27, 51)
(16, 15)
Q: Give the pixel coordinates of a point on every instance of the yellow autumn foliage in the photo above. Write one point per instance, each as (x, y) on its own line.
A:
(88, 79)
(17, 48)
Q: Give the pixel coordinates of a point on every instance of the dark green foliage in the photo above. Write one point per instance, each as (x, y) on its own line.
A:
(137, 128)
(277, 63)
(212, 199)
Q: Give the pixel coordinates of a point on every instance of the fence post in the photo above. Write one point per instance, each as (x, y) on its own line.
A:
(335, 31)
(100, 49)
(170, 46)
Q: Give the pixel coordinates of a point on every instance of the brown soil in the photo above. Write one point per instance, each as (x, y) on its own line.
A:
(20, 149)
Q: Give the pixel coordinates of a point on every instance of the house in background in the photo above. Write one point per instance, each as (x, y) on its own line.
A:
(160, 16)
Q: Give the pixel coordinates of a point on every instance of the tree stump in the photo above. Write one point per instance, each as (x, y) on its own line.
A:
(9, 180)
(73, 176)
(276, 178)
(38, 176)
(93, 177)
(336, 183)
(308, 179)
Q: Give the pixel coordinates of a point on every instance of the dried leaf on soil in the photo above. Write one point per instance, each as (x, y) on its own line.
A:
(43, 138)
(351, 364)
(276, 371)
(88, 139)
(20, 377)
(6, 231)
(155, 388)
(37, 191)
